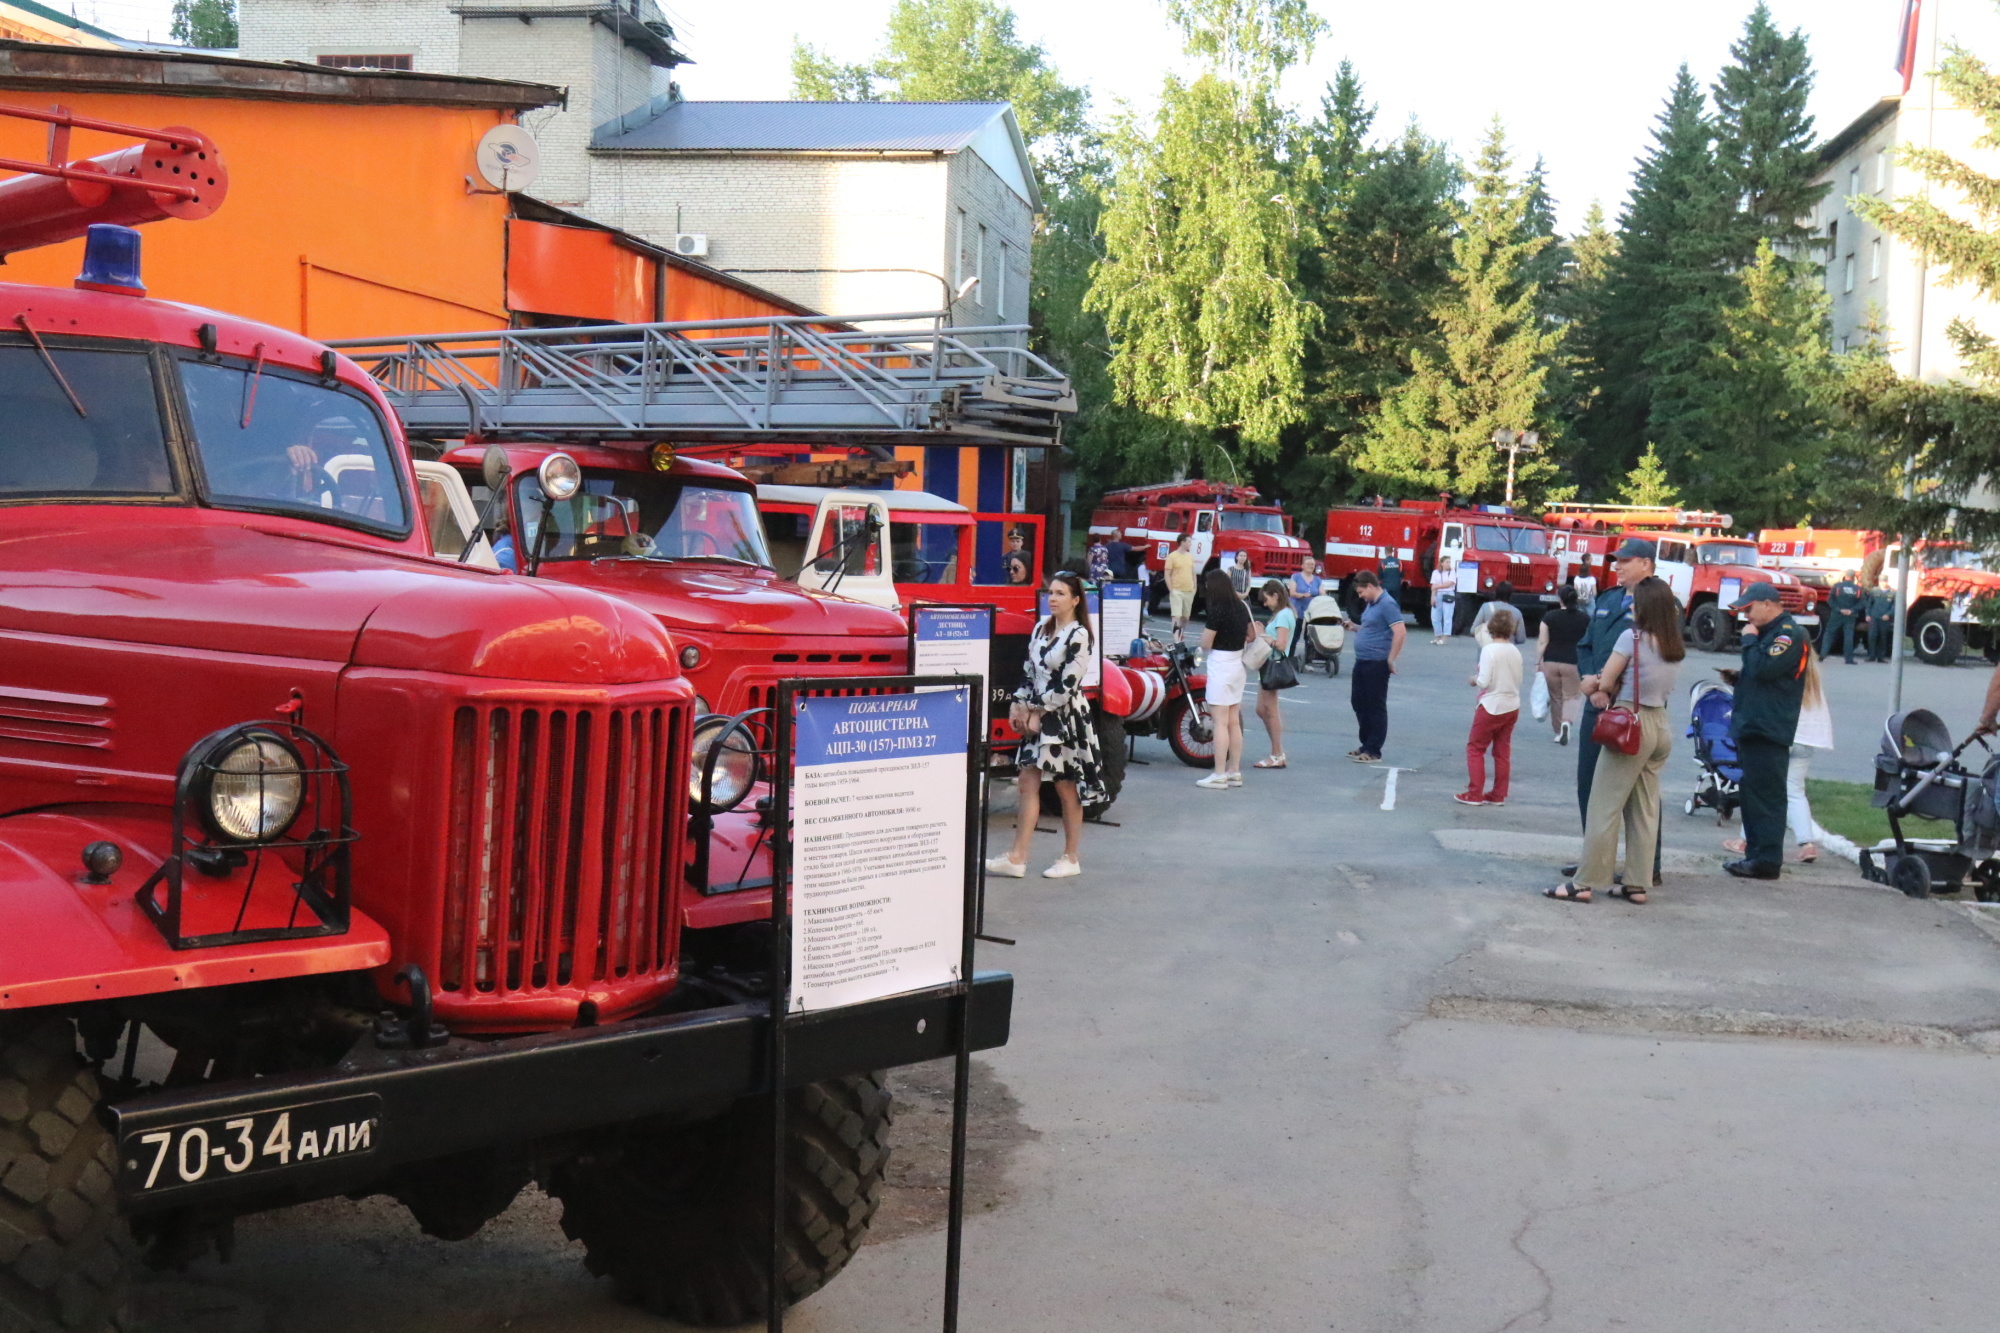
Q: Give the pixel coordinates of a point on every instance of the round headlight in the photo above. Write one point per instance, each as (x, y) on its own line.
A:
(735, 765)
(560, 476)
(248, 786)
(690, 657)
(702, 707)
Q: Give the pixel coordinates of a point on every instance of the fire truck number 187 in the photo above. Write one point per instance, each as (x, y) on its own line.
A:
(175, 1156)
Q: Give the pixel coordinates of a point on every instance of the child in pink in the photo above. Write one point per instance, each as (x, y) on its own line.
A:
(1499, 707)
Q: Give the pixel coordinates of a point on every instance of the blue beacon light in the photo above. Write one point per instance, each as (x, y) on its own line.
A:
(111, 261)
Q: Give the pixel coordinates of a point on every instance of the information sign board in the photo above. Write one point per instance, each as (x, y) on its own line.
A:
(953, 641)
(1124, 609)
(878, 822)
(1093, 605)
(1468, 577)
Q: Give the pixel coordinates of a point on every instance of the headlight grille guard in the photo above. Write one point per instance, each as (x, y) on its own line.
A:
(304, 870)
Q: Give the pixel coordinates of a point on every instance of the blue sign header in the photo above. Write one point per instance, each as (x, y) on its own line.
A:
(849, 730)
(936, 623)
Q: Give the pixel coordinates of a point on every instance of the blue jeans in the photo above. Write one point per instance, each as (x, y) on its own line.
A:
(1368, 691)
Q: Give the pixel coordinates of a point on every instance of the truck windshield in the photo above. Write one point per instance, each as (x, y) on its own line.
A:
(109, 442)
(1491, 539)
(1239, 520)
(1725, 553)
(270, 442)
(1955, 557)
(645, 515)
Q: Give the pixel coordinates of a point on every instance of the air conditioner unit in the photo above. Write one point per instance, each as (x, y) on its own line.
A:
(692, 244)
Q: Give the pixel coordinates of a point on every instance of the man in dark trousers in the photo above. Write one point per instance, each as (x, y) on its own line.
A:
(1844, 612)
(1392, 575)
(1610, 616)
(1378, 642)
(1770, 685)
(1881, 612)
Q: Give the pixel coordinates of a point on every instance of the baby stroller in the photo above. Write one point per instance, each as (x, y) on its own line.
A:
(1918, 775)
(1710, 706)
(1323, 634)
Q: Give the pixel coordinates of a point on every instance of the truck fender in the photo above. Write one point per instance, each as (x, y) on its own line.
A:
(70, 941)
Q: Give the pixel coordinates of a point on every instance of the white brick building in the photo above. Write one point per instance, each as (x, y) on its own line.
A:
(854, 207)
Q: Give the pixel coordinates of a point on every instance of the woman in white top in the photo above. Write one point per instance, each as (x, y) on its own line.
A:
(1625, 789)
(1444, 596)
(1815, 732)
(1493, 719)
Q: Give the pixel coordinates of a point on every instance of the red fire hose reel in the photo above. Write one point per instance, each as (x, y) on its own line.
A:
(174, 172)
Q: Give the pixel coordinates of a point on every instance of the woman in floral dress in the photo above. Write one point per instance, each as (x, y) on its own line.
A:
(1059, 741)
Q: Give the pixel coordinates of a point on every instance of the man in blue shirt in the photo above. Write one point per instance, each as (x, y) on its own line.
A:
(1610, 616)
(1378, 642)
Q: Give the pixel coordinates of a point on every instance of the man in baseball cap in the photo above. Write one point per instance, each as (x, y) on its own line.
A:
(1770, 685)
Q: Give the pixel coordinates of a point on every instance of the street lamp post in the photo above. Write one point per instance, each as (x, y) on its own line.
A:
(1515, 442)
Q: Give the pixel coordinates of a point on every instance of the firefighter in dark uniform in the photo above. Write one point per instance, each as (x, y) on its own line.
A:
(1770, 686)
(1880, 609)
(1392, 575)
(1844, 611)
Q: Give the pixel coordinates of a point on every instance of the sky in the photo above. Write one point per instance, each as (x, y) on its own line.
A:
(1577, 82)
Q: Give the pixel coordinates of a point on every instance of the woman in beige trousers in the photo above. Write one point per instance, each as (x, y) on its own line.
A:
(1625, 792)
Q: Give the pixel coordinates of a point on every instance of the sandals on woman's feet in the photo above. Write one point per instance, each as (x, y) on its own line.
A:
(1636, 897)
(1275, 761)
(1568, 892)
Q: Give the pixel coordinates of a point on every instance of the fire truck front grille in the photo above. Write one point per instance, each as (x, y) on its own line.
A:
(1796, 598)
(1281, 563)
(561, 846)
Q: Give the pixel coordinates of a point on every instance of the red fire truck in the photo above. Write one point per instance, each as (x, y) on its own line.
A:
(1487, 545)
(330, 869)
(1947, 580)
(1706, 567)
(1221, 520)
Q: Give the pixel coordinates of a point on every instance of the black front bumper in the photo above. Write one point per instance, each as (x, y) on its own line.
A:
(469, 1095)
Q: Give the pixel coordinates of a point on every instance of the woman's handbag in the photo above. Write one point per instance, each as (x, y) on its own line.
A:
(1278, 674)
(1538, 698)
(1617, 726)
(1257, 652)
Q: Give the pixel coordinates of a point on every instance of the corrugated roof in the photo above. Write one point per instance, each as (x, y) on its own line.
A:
(804, 127)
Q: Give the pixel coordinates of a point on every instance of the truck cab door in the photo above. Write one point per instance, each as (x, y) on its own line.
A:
(1674, 565)
(1203, 545)
(1453, 543)
(449, 514)
(847, 559)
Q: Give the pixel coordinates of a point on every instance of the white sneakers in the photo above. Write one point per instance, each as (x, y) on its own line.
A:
(1214, 782)
(999, 865)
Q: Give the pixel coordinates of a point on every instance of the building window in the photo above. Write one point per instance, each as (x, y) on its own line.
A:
(1000, 286)
(1832, 248)
(1874, 259)
(368, 62)
(1881, 170)
(1853, 181)
(958, 253)
(1847, 278)
(979, 267)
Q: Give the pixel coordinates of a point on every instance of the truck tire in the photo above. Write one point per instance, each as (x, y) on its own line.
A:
(65, 1254)
(1464, 610)
(1111, 759)
(678, 1216)
(1709, 628)
(1938, 641)
(1190, 733)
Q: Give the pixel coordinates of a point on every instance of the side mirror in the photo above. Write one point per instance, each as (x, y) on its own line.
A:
(495, 468)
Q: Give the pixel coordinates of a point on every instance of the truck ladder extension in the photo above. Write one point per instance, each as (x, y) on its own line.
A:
(726, 380)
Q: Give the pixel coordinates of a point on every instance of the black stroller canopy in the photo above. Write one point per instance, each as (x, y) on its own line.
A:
(1917, 737)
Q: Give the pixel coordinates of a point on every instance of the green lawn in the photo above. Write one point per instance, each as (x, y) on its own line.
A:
(1842, 807)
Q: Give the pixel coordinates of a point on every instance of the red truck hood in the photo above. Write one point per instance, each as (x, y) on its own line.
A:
(1269, 541)
(719, 598)
(225, 583)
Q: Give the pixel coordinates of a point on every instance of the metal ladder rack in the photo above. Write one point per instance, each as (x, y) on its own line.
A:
(815, 377)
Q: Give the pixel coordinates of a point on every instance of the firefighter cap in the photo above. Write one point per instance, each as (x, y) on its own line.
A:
(1635, 548)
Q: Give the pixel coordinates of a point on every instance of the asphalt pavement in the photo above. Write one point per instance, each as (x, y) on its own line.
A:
(1299, 1056)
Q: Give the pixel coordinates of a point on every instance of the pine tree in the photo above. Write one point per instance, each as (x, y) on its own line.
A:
(204, 23)
(1647, 483)
(1202, 231)
(1487, 366)
(1765, 141)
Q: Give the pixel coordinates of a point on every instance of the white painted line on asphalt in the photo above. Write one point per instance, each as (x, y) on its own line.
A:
(1389, 790)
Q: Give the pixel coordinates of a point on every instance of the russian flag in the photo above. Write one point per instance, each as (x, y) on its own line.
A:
(1906, 44)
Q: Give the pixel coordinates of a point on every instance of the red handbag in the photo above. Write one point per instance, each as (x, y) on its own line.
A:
(1618, 727)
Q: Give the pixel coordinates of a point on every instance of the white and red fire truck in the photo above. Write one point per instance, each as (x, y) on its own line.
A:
(1221, 520)
(1487, 545)
(1946, 580)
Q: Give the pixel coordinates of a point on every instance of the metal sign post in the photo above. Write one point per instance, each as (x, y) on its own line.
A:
(876, 874)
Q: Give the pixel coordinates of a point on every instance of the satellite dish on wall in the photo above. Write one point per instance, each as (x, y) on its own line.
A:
(508, 157)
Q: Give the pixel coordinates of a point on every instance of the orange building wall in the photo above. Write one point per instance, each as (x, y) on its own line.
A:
(341, 221)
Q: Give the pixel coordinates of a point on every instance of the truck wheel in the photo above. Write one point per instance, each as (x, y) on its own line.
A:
(1938, 641)
(1709, 628)
(678, 1216)
(1190, 733)
(65, 1254)
(1463, 611)
(1111, 757)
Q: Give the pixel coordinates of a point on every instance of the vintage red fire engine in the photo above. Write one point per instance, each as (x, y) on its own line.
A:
(1487, 545)
(1219, 520)
(328, 868)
